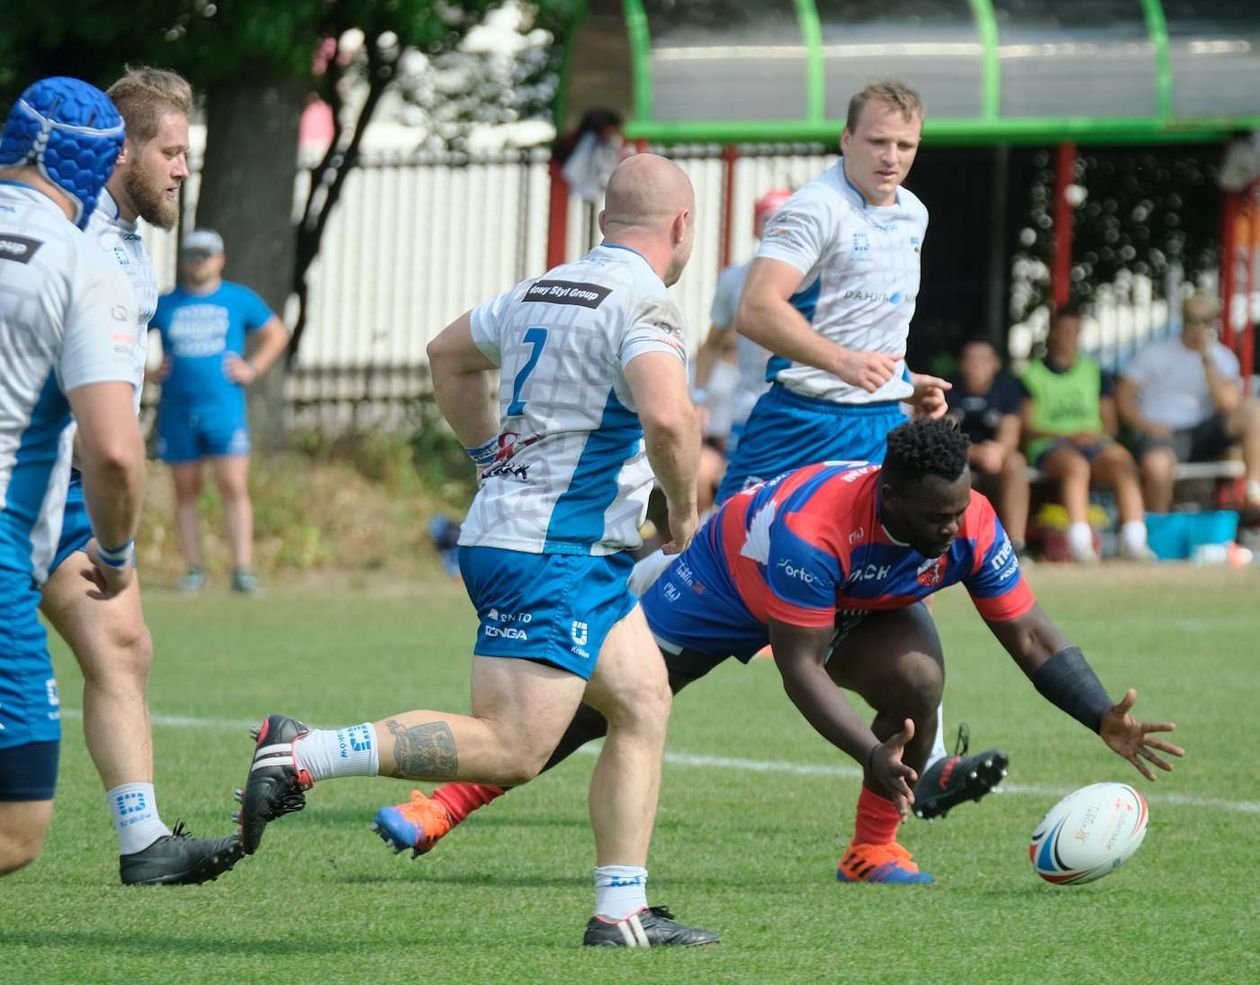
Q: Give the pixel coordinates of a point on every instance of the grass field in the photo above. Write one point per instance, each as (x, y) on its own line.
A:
(754, 808)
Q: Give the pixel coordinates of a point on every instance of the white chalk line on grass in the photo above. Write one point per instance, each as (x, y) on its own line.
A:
(762, 766)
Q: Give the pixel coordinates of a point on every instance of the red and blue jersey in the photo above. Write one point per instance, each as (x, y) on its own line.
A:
(810, 545)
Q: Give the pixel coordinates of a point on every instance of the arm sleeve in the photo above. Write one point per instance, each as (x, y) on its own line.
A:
(100, 332)
(800, 233)
(254, 310)
(485, 321)
(802, 574)
(1138, 369)
(655, 325)
(161, 314)
(996, 584)
(1226, 362)
(1009, 394)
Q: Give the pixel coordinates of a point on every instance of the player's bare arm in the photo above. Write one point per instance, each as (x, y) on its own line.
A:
(271, 340)
(767, 317)
(671, 437)
(462, 383)
(112, 460)
(1061, 674)
(800, 653)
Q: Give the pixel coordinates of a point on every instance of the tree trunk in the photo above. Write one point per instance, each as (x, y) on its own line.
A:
(247, 191)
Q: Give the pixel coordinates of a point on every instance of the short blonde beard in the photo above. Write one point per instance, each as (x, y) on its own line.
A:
(152, 205)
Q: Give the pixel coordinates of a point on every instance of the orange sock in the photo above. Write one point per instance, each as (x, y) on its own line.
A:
(461, 799)
(877, 819)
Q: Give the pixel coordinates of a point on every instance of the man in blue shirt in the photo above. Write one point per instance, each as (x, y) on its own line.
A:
(204, 324)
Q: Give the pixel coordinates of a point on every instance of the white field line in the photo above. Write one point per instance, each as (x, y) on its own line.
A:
(761, 766)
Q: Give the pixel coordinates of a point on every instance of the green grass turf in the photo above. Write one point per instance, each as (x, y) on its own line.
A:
(749, 853)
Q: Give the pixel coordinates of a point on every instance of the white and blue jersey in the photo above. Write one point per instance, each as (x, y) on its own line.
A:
(544, 549)
(860, 265)
(122, 242)
(67, 320)
(751, 359)
(571, 475)
(860, 268)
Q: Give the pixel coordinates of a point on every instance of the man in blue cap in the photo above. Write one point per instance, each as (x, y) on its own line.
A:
(67, 318)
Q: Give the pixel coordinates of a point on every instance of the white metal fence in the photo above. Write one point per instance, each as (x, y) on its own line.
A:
(416, 240)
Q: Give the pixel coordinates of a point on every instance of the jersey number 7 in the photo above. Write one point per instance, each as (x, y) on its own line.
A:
(536, 337)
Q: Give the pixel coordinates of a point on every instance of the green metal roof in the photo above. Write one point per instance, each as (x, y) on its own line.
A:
(990, 71)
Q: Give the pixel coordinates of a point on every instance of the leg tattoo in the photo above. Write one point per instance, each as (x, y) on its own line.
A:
(423, 752)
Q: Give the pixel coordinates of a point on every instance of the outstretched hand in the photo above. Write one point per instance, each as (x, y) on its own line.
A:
(1131, 739)
(929, 396)
(886, 770)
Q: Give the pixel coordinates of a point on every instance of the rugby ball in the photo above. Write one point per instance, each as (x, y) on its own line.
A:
(1089, 833)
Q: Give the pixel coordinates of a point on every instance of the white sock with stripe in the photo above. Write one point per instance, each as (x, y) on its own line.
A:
(620, 890)
(133, 806)
(349, 751)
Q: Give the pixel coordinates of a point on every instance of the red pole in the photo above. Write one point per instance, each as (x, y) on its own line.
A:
(558, 217)
(729, 156)
(1248, 355)
(1064, 215)
(1229, 260)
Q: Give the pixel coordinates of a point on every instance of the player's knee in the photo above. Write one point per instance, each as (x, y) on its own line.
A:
(522, 766)
(642, 703)
(20, 847)
(921, 684)
(131, 648)
(517, 773)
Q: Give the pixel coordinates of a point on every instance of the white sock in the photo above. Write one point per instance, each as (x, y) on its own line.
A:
(133, 806)
(938, 744)
(349, 751)
(1080, 538)
(620, 890)
(1133, 535)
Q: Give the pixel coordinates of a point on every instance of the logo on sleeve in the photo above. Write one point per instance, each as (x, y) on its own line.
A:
(567, 292)
(931, 572)
(19, 249)
(797, 571)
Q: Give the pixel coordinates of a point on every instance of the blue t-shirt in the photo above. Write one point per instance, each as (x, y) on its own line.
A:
(198, 333)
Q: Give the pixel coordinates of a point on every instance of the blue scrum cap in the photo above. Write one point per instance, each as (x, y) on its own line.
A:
(69, 130)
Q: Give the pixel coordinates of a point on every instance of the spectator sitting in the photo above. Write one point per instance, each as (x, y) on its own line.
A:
(1069, 423)
(1184, 398)
(985, 401)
